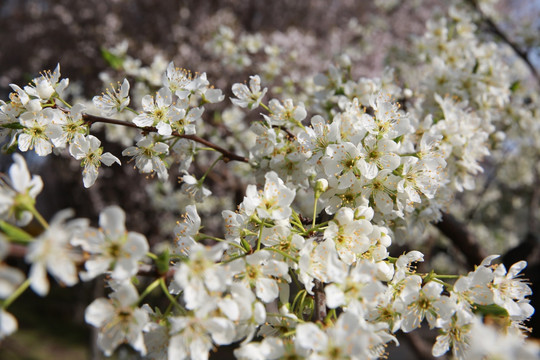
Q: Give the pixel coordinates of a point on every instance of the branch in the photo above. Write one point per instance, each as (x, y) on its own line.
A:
(320, 301)
(497, 31)
(227, 155)
(462, 239)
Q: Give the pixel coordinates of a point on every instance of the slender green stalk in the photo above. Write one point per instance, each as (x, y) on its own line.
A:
(283, 253)
(266, 108)
(298, 221)
(39, 218)
(210, 169)
(171, 298)
(21, 289)
(149, 289)
(220, 240)
(64, 102)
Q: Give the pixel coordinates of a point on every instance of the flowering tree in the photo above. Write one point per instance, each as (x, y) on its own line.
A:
(338, 169)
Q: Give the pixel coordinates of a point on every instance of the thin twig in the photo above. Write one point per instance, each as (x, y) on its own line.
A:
(227, 155)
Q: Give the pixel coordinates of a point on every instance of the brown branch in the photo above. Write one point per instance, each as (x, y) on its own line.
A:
(227, 155)
(462, 239)
(498, 32)
(320, 301)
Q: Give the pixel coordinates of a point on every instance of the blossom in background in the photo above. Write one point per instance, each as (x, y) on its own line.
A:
(111, 247)
(88, 150)
(186, 229)
(113, 101)
(194, 188)
(118, 319)
(8, 324)
(285, 113)
(251, 96)
(18, 192)
(200, 275)
(147, 156)
(52, 252)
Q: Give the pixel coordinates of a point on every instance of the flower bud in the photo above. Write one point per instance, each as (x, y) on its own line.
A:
(321, 186)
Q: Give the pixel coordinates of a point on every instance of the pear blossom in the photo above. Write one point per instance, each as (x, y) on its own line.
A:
(260, 272)
(340, 162)
(186, 230)
(18, 192)
(40, 131)
(194, 188)
(273, 202)
(45, 86)
(148, 156)
(200, 275)
(320, 261)
(88, 150)
(119, 319)
(156, 112)
(52, 252)
(251, 96)
(193, 337)
(349, 235)
(271, 348)
(418, 302)
(286, 112)
(111, 247)
(71, 125)
(113, 101)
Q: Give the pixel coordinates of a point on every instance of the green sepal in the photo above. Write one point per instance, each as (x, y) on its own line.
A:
(163, 261)
(15, 233)
(515, 86)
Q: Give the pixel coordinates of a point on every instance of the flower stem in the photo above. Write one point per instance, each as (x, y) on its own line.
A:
(283, 253)
(149, 289)
(201, 180)
(169, 296)
(39, 218)
(16, 294)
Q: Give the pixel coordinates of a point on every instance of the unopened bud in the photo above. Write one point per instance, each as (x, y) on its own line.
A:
(321, 186)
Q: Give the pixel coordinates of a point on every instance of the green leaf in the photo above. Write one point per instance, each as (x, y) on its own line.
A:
(490, 310)
(114, 61)
(15, 233)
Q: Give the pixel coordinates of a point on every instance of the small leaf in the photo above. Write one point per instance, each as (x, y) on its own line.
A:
(491, 310)
(15, 233)
(162, 262)
(114, 61)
